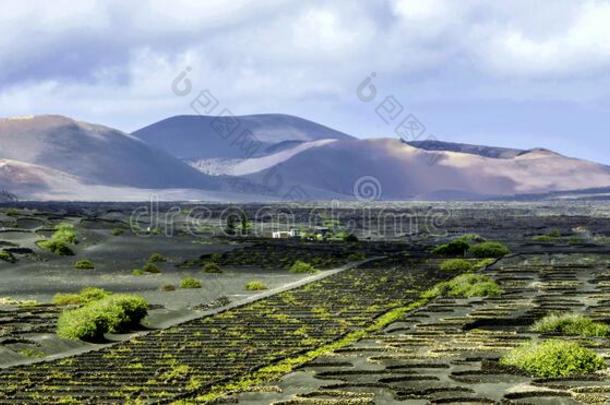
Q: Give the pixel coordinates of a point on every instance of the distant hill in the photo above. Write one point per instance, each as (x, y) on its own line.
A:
(93, 154)
(408, 172)
(58, 158)
(195, 137)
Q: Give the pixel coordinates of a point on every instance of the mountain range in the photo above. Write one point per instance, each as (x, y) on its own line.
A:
(268, 157)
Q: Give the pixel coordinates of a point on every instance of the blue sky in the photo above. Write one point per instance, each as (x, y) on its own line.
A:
(509, 73)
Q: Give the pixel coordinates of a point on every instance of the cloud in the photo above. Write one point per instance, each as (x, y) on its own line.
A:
(113, 61)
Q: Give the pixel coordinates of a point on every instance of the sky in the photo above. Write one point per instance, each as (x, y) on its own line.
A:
(509, 73)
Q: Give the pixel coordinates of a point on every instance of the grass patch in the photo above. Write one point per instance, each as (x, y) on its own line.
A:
(84, 264)
(571, 324)
(466, 286)
(168, 287)
(137, 272)
(116, 313)
(190, 282)
(554, 358)
(33, 353)
(489, 249)
(255, 285)
(7, 256)
(456, 265)
(302, 267)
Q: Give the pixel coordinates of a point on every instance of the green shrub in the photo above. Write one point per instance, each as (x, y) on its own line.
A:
(84, 264)
(116, 313)
(168, 287)
(7, 256)
(466, 286)
(137, 272)
(456, 265)
(117, 232)
(255, 285)
(156, 258)
(571, 324)
(350, 238)
(470, 238)
(479, 264)
(86, 295)
(12, 212)
(58, 247)
(453, 248)
(65, 233)
(67, 299)
(554, 358)
(190, 282)
(60, 241)
(302, 267)
(543, 238)
(555, 233)
(211, 267)
(489, 249)
(151, 268)
(356, 256)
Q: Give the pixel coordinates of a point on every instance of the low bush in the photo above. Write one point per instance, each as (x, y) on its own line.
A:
(471, 238)
(168, 287)
(255, 285)
(7, 256)
(350, 238)
(356, 256)
(117, 232)
(190, 282)
(489, 249)
(456, 265)
(302, 267)
(466, 286)
(571, 324)
(12, 212)
(453, 248)
(60, 248)
(211, 267)
(85, 296)
(60, 241)
(116, 313)
(84, 264)
(156, 258)
(553, 358)
(151, 268)
(137, 272)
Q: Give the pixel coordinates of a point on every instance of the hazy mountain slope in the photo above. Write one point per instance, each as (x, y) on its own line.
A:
(241, 167)
(405, 172)
(94, 154)
(32, 182)
(487, 151)
(194, 137)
